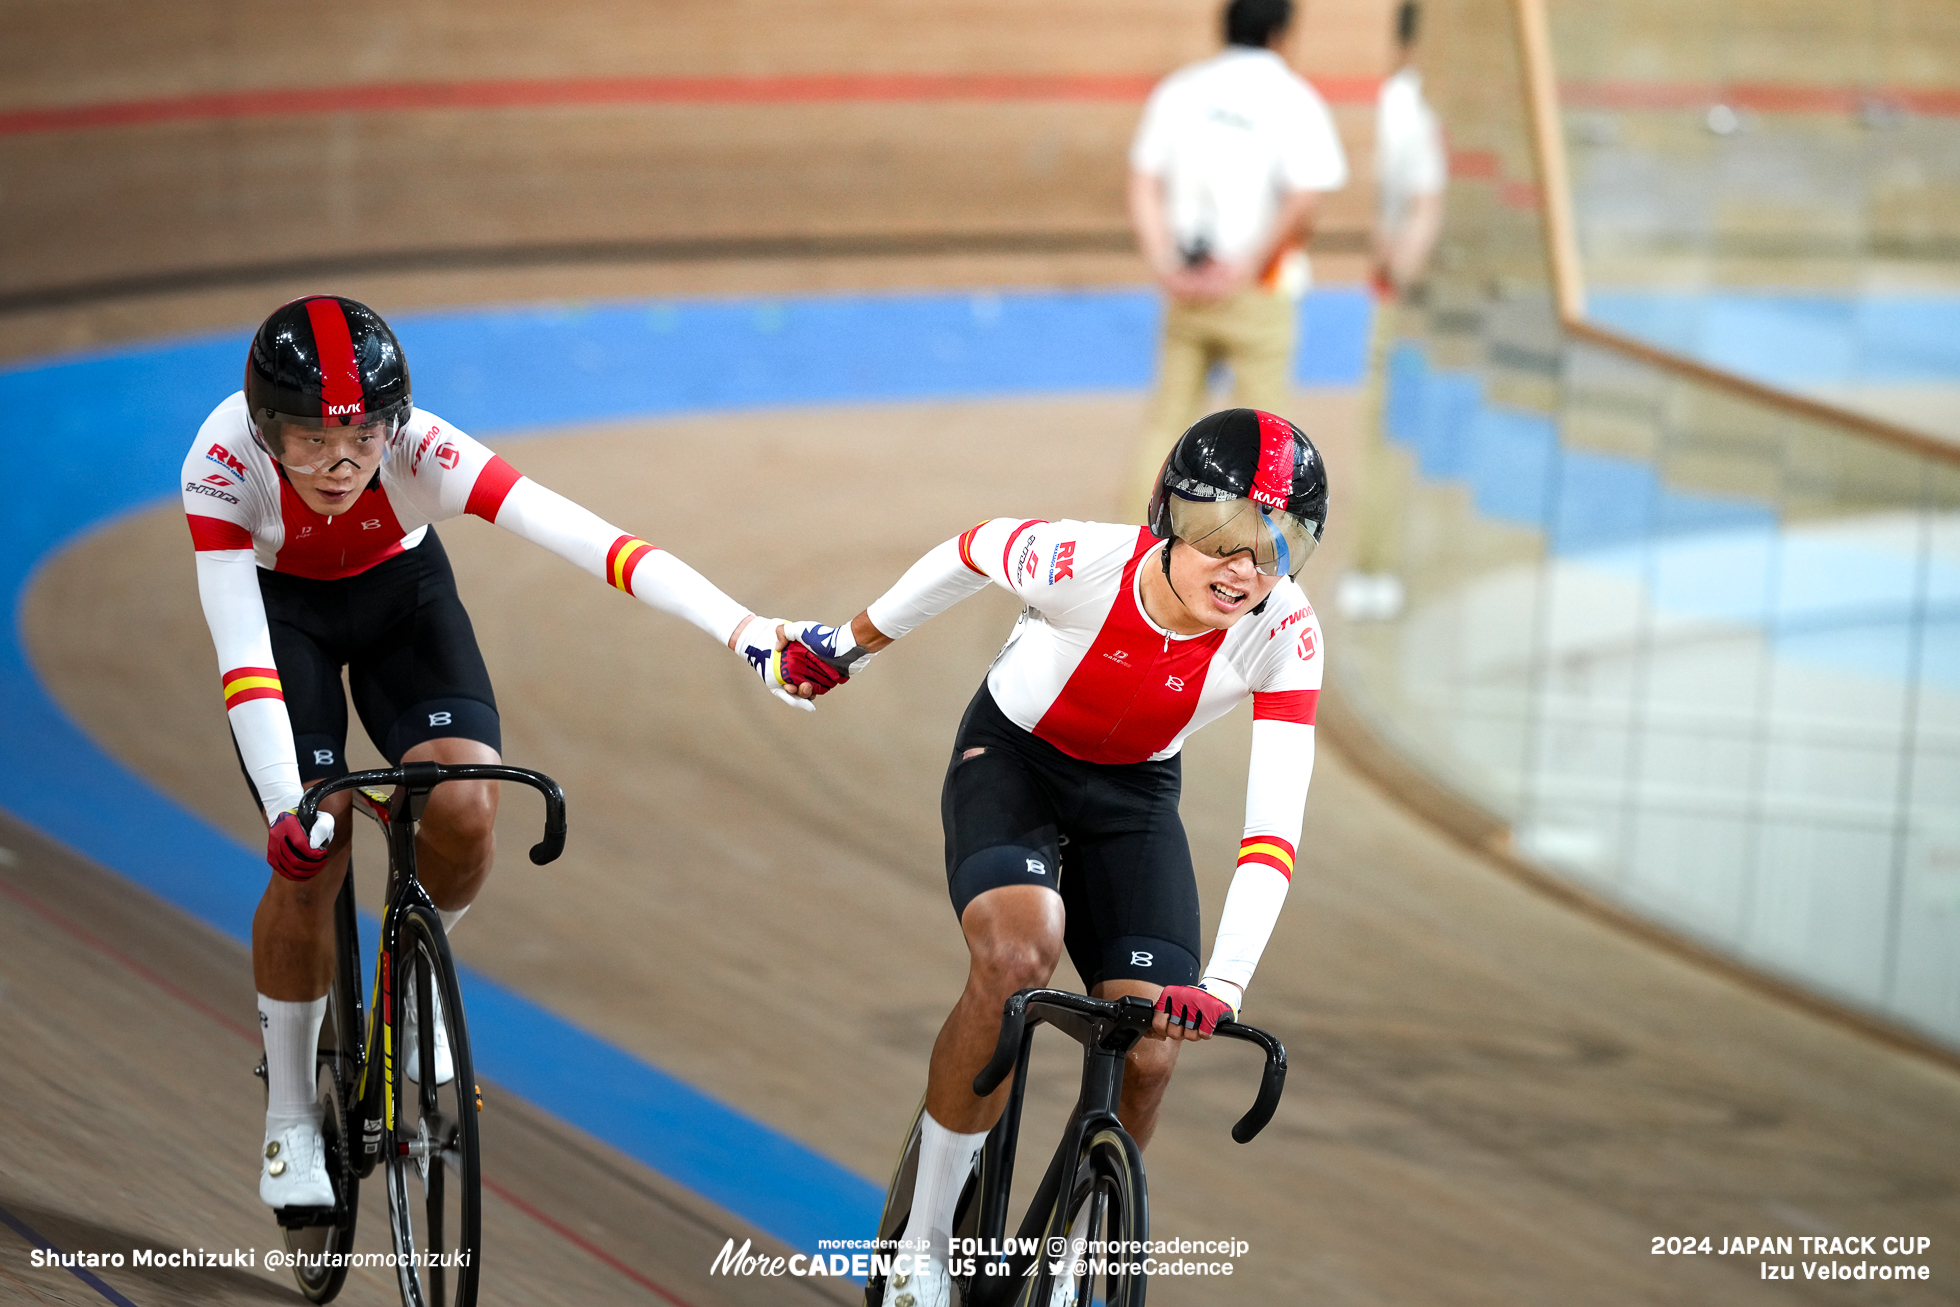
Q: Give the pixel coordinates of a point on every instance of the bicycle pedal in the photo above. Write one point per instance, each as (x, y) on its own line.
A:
(259, 1070)
(479, 1098)
(306, 1218)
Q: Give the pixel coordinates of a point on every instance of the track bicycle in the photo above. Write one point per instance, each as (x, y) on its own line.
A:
(1093, 1194)
(423, 1135)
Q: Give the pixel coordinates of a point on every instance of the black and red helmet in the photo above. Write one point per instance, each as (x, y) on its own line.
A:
(1242, 480)
(324, 361)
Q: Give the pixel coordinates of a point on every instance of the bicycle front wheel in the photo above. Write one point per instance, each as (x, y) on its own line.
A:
(434, 1180)
(1106, 1224)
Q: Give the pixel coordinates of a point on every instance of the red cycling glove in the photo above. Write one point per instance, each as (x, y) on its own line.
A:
(800, 665)
(825, 656)
(1193, 1008)
(289, 850)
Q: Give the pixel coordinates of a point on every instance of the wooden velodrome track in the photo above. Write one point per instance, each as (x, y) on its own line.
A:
(1494, 1100)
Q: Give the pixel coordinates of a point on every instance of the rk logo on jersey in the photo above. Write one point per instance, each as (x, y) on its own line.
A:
(1062, 566)
(225, 458)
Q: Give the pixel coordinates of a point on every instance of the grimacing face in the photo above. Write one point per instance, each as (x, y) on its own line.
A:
(1216, 592)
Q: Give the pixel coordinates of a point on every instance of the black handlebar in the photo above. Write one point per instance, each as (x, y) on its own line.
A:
(421, 777)
(1007, 1051)
(1130, 1011)
(1272, 1082)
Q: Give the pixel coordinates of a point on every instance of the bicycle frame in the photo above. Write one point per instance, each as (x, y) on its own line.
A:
(397, 817)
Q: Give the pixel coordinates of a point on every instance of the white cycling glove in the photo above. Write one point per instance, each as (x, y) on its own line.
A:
(757, 643)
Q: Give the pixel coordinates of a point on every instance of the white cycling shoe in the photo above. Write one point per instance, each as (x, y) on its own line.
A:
(411, 1049)
(293, 1167)
(932, 1287)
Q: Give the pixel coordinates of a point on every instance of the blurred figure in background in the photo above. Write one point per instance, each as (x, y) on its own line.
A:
(1226, 174)
(1410, 168)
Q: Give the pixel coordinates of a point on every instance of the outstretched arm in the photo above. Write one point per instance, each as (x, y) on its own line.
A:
(625, 562)
(826, 656)
(471, 479)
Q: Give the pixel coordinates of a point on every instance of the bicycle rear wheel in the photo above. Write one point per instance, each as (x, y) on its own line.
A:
(434, 1178)
(321, 1244)
(1108, 1219)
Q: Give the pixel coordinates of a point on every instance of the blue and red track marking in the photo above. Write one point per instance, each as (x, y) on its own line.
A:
(100, 436)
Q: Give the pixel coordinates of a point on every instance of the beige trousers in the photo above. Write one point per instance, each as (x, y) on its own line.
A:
(1252, 333)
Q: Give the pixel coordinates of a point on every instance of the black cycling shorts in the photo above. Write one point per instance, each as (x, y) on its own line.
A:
(410, 652)
(1106, 836)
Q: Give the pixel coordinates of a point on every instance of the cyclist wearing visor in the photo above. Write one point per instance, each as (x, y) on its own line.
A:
(1061, 797)
(316, 449)
(1223, 525)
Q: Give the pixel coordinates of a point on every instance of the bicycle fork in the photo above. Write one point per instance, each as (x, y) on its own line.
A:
(1047, 1218)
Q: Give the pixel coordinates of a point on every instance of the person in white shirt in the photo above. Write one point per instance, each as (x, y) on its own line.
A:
(1411, 168)
(1226, 174)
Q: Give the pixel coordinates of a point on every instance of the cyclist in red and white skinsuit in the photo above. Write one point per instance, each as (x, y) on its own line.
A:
(1060, 801)
(310, 496)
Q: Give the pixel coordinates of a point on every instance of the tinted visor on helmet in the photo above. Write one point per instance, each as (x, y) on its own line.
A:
(312, 445)
(1279, 542)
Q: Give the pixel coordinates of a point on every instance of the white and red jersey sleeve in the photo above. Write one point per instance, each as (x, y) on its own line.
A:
(1285, 679)
(445, 473)
(1033, 558)
(222, 501)
(244, 516)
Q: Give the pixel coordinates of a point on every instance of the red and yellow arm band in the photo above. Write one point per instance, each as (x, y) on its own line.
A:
(1269, 851)
(244, 684)
(622, 559)
(966, 546)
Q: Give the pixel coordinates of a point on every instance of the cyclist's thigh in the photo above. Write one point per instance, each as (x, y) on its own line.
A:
(1130, 891)
(303, 617)
(1000, 825)
(418, 674)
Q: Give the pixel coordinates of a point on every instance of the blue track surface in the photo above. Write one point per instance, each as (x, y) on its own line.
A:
(96, 437)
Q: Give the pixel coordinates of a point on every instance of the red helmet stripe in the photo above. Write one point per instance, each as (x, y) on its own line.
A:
(1272, 485)
(340, 377)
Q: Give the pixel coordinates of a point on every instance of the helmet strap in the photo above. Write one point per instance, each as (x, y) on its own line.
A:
(1169, 545)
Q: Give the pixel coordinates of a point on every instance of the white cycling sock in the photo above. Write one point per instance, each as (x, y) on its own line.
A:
(945, 1159)
(451, 916)
(292, 1032)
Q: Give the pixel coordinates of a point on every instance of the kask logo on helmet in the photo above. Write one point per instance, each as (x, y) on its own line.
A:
(344, 410)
